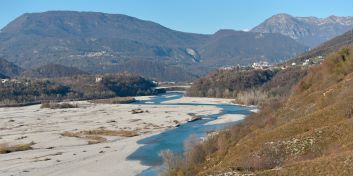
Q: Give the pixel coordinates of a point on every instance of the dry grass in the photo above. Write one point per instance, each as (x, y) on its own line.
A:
(251, 97)
(97, 135)
(91, 139)
(95, 139)
(52, 105)
(7, 148)
(104, 132)
(115, 100)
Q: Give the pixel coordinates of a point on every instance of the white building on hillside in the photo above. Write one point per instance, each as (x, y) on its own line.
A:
(261, 65)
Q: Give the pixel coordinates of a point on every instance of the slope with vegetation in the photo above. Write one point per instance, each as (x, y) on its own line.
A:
(248, 86)
(229, 83)
(326, 48)
(52, 71)
(308, 133)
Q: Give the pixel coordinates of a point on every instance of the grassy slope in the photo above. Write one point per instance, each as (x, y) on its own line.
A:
(310, 133)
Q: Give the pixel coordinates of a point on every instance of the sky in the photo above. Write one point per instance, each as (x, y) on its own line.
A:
(197, 16)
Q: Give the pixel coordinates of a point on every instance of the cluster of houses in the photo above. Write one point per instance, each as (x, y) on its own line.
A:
(263, 65)
(3, 81)
(310, 61)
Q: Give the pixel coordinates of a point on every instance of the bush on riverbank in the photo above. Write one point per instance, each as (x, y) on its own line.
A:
(251, 97)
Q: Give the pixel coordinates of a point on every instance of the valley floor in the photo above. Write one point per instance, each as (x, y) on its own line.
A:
(56, 154)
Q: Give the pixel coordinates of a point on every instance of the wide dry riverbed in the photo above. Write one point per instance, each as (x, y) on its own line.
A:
(57, 155)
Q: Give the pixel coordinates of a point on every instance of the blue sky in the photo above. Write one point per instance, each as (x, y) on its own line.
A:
(199, 16)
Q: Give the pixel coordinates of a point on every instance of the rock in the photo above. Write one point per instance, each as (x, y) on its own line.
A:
(111, 121)
(195, 118)
(137, 111)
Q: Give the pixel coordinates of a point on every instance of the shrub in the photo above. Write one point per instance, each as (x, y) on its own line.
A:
(251, 97)
(172, 163)
(7, 148)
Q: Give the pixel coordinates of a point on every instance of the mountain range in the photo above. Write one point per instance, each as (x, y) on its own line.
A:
(103, 43)
(309, 31)
(92, 42)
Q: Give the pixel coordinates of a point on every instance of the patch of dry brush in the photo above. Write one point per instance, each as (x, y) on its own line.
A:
(115, 100)
(9, 148)
(52, 105)
(98, 135)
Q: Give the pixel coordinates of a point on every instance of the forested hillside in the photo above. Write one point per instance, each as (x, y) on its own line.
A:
(248, 86)
(27, 91)
(52, 71)
(229, 83)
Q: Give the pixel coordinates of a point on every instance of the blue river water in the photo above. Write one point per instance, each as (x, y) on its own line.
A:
(173, 139)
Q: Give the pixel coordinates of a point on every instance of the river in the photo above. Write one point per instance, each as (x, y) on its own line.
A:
(173, 139)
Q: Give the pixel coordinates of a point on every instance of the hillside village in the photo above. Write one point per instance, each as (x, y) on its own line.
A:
(264, 65)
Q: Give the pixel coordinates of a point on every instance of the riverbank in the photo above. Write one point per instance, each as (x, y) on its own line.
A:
(56, 154)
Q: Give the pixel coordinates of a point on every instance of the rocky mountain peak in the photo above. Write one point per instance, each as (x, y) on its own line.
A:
(309, 31)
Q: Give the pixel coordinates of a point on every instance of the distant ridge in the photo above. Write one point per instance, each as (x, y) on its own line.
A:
(324, 49)
(309, 31)
(3, 76)
(8, 69)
